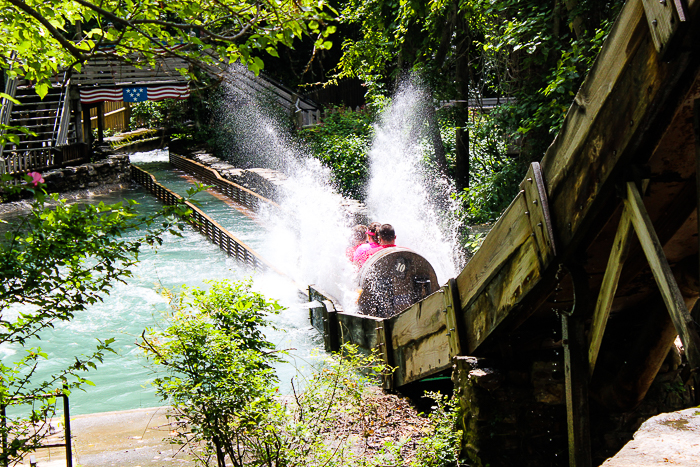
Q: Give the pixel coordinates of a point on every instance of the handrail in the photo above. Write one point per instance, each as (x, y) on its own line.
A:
(203, 223)
(63, 117)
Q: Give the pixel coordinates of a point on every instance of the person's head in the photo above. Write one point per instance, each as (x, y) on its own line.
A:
(358, 234)
(373, 232)
(386, 234)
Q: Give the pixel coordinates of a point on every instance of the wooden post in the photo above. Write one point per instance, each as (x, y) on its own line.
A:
(608, 287)
(101, 122)
(696, 128)
(87, 125)
(455, 326)
(576, 372)
(661, 270)
(384, 348)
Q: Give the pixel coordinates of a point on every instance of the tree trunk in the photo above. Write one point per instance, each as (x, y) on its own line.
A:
(462, 135)
(436, 139)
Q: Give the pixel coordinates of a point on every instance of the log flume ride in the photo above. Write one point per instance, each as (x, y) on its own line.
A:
(588, 276)
(593, 268)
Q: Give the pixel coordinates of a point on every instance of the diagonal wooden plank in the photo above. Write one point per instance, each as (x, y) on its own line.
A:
(661, 270)
(609, 287)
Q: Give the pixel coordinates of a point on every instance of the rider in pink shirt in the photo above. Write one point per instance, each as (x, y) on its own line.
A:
(372, 241)
(357, 239)
(387, 238)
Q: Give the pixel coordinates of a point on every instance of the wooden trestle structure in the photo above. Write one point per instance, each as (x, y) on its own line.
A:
(593, 267)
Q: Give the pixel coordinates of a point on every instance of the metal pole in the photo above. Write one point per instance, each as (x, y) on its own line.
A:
(3, 423)
(66, 425)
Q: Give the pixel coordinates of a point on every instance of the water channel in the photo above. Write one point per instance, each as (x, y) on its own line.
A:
(122, 381)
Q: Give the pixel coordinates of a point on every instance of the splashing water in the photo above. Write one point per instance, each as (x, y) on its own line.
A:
(404, 191)
(309, 237)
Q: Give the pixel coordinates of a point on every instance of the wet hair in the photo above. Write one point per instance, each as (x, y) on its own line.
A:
(373, 231)
(386, 232)
(358, 234)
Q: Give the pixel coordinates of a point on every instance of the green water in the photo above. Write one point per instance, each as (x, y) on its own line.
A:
(122, 381)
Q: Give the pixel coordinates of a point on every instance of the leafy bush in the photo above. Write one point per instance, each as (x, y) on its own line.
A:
(225, 395)
(218, 363)
(55, 262)
(342, 142)
(157, 114)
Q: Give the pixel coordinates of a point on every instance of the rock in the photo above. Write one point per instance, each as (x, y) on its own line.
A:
(667, 439)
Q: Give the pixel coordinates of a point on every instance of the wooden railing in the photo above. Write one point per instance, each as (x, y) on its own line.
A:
(237, 193)
(203, 223)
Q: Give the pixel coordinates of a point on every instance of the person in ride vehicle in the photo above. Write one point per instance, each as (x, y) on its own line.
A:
(387, 239)
(372, 236)
(358, 237)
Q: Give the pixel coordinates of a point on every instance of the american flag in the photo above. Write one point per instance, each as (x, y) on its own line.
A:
(135, 94)
(89, 96)
(157, 93)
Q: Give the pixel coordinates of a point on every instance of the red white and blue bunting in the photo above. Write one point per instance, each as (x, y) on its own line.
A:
(134, 93)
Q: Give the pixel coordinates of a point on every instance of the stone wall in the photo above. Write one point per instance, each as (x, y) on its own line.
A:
(114, 169)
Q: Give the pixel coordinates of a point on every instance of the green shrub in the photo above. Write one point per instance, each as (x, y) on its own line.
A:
(341, 142)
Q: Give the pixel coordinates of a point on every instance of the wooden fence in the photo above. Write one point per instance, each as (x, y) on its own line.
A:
(116, 115)
(203, 223)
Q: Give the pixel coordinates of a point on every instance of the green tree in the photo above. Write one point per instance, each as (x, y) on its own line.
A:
(536, 53)
(219, 378)
(55, 262)
(41, 38)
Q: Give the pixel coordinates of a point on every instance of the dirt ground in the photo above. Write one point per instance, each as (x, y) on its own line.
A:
(135, 438)
(131, 438)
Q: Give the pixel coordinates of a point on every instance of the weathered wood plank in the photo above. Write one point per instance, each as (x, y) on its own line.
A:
(385, 350)
(419, 340)
(455, 327)
(514, 280)
(663, 275)
(537, 213)
(360, 330)
(623, 40)
(609, 287)
(663, 20)
(509, 233)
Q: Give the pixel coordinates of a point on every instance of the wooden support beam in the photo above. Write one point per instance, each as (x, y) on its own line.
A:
(661, 270)
(384, 349)
(101, 122)
(609, 287)
(455, 326)
(575, 371)
(696, 130)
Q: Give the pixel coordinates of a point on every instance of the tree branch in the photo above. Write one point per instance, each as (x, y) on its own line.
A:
(55, 33)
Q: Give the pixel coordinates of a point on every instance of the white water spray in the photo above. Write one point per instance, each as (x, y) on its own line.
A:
(404, 191)
(309, 237)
